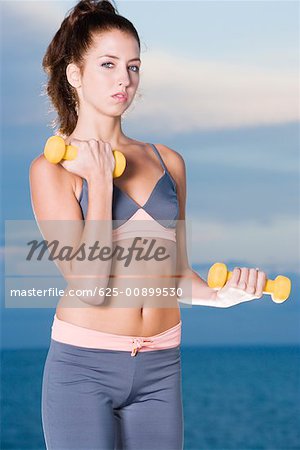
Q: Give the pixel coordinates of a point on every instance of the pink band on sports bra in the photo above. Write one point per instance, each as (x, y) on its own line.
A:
(141, 224)
(69, 333)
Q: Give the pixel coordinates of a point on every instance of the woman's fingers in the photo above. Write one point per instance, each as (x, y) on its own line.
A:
(256, 282)
(235, 277)
(243, 282)
(250, 280)
(239, 278)
(261, 282)
(244, 285)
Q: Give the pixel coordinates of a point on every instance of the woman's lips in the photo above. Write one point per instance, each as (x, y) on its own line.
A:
(120, 98)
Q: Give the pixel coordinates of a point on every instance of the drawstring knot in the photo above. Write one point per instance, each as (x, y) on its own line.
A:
(137, 343)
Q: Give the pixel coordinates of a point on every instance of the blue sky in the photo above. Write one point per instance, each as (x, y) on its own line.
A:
(220, 85)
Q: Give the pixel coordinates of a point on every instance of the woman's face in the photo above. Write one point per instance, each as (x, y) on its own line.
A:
(104, 76)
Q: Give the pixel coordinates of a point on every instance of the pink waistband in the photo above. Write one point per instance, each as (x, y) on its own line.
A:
(69, 333)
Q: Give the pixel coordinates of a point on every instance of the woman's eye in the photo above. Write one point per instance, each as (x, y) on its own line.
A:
(106, 63)
(136, 67)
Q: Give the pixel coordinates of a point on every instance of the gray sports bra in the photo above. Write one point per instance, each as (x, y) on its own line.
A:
(162, 205)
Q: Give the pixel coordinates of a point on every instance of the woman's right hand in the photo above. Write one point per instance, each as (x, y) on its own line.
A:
(94, 158)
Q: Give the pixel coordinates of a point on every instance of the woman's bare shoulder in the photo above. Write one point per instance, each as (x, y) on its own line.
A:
(41, 165)
(174, 161)
(41, 169)
(52, 191)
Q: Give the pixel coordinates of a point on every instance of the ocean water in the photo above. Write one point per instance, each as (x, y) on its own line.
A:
(241, 398)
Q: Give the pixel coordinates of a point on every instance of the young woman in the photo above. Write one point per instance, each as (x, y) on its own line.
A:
(112, 377)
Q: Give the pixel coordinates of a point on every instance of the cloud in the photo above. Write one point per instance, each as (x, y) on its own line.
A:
(273, 247)
(184, 94)
(40, 16)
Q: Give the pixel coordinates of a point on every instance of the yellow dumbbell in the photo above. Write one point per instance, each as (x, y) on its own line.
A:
(280, 288)
(56, 149)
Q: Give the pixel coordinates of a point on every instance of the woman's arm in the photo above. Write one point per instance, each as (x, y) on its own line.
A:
(195, 290)
(59, 217)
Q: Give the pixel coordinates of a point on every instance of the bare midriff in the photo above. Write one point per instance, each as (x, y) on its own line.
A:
(135, 314)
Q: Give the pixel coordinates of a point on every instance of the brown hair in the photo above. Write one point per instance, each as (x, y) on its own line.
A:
(70, 43)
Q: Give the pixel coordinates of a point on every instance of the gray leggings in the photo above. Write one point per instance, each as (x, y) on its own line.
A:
(99, 399)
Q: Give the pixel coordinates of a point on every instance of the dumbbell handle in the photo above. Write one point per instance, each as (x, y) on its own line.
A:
(70, 152)
(280, 288)
(56, 150)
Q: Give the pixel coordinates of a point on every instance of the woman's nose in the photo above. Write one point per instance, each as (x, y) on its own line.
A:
(124, 78)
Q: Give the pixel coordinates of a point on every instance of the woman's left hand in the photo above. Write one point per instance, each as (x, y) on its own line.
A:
(244, 285)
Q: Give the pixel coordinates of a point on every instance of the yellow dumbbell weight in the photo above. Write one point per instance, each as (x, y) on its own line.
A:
(280, 288)
(56, 149)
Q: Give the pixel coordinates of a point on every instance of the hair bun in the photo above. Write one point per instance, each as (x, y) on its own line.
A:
(105, 5)
(85, 7)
